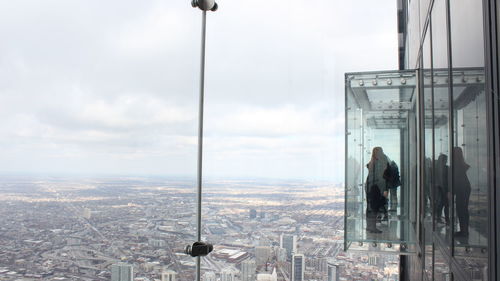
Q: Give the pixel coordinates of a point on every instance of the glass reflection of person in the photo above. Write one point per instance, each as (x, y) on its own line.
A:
(441, 178)
(376, 188)
(427, 185)
(461, 190)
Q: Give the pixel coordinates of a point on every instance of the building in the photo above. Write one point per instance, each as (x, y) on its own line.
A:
(227, 275)
(281, 254)
(253, 214)
(268, 276)
(87, 213)
(332, 272)
(319, 264)
(209, 276)
(168, 275)
(157, 243)
(437, 118)
(122, 272)
(289, 243)
(262, 255)
(248, 268)
(298, 267)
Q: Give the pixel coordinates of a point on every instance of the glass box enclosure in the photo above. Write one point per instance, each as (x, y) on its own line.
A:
(380, 112)
(408, 115)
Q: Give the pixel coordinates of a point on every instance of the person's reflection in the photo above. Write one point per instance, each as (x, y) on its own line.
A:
(427, 186)
(442, 196)
(462, 190)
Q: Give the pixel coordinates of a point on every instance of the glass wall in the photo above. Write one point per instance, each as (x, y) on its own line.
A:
(455, 158)
(440, 157)
(378, 109)
(428, 171)
(470, 148)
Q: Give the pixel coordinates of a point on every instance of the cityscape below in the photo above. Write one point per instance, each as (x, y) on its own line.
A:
(138, 228)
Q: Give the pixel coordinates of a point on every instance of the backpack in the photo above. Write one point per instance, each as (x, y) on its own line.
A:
(391, 175)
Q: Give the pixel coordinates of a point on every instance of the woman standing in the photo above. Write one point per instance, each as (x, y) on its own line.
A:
(462, 189)
(376, 188)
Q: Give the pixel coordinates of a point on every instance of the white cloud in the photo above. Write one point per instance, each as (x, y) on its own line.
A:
(111, 87)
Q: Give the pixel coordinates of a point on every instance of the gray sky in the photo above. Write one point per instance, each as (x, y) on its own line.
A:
(111, 87)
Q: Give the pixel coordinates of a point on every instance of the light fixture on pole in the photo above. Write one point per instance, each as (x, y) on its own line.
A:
(200, 248)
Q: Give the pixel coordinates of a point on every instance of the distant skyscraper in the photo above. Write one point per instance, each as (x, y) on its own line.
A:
(281, 254)
(209, 276)
(253, 213)
(262, 214)
(248, 270)
(168, 275)
(298, 267)
(87, 213)
(289, 242)
(227, 275)
(262, 255)
(122, 272)
(333, 272)
(157, 243)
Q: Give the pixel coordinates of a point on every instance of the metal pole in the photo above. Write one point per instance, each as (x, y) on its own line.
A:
(200, 137)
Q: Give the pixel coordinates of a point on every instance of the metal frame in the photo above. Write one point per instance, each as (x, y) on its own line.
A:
(490, 14)
(493, 116)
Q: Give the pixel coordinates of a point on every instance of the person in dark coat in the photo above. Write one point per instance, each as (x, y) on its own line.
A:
(376, 188)
(461, 190)
(442, 193)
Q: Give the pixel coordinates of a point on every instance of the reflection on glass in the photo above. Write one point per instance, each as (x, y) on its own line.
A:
(470, 150)
(470, 187)
(442, 194)
(441, 150)
(441, 267)
(461, 189)
(429, 193)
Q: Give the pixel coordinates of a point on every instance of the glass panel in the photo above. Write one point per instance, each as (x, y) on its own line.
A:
(428, 194)
(379, 106)
(441, 267)
(99, 111)
(413, 33)
(441, 127)
(470, 151)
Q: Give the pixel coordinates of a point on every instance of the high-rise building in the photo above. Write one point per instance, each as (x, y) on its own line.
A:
(281, 254)
(262, 255)
(168, 275)
(332, 272)
(209, 276)
(248, 268)
(373, 260)
(122, 272)
(253, 213)
(289, 243)
(298, 267)
(437, 120)
(227, 275)
(87, 213)
(157, 243)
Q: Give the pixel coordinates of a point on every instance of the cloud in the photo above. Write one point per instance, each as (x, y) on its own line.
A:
(279, 121)
(112, 87)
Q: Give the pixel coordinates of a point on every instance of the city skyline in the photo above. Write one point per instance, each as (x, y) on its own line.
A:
(80, 228)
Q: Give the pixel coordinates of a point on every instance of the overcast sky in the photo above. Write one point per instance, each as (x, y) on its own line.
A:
(111, 87)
